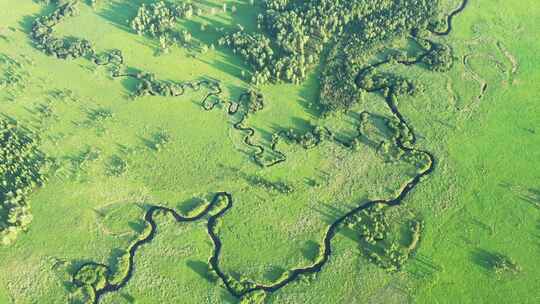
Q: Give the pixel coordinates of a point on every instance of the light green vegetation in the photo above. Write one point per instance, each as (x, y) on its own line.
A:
(489, 204)
(482, 199)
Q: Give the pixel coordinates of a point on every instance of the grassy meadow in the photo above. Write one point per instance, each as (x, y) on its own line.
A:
(482, 199)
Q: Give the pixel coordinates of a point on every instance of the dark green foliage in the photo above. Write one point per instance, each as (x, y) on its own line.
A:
(255, 101)
(390, 84)
(415, 230)
(240, 285)
(372, 224)
(149, 85)
(42, 34)
(338, 89)
(158, 20)
(116, 166)
(296, 32)
(21, 170)
(401, 131)
(439, 58)
(99, 115)
(92, 275)
(270, 186)
(386, 21)
(158, 140)
(88, 279)
(378, 241)
(311, 138)
(502, 264)
(392, 259)
(80, 161)
(256, 51)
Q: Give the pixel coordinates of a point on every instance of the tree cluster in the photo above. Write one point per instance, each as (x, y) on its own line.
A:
(380, 248)
(67, 48)
(392, 259)
(378, 22)
(255, 101)
(21, 171)
(158, 20)
(295, 33)
(372, 224)
(255, 49)
(149, 85)
(391, 85)
(270, 186)
(309, 139)
(439, 58)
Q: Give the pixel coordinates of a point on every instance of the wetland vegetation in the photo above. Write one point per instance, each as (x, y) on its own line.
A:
(268, 151)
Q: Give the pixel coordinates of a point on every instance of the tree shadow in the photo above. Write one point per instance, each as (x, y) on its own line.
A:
(274, 273)
(483, 258)
(538, 233)
(311, 250)
(202, 269)
(422, 267)
(298, 125)
(190, 205)
(233, 66)
(71, 267)
(532, 196)
(265, 136)
(118, 13)
(235, 91)
(129, 298)
(138, 226)
(526, 194)
(114, 258)
(26, 22)
(130, 83)
(228, 298)
(310, 96)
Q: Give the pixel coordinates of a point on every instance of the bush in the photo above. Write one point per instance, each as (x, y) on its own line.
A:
(92, 275)
(116, 166)
(501, 264)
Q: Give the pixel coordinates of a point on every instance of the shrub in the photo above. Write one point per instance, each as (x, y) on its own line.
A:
(501, 264)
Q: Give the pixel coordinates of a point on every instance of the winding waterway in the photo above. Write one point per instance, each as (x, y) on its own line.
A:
(212, 219)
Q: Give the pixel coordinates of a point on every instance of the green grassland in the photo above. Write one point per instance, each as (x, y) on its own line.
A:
(482, 199)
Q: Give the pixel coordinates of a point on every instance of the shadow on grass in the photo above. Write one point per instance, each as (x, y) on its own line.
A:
(26, 22)
(526, 194)
(532, 196)
(202, 269)
(484, 259)
(422, 267)
(138, 226)
(190, 205)
(274, 273)
(311, 250)
(129, 298)
(119, 13)
(331, 214)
